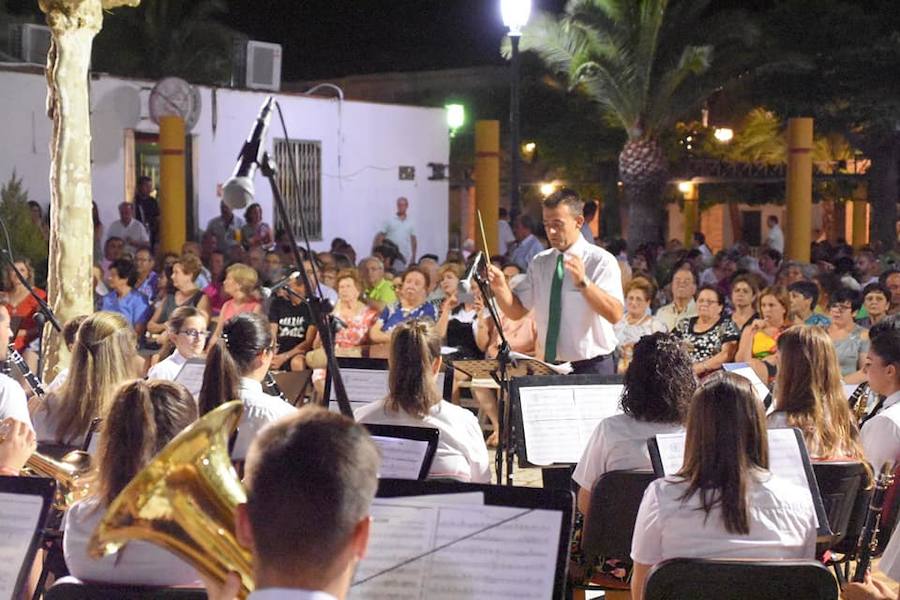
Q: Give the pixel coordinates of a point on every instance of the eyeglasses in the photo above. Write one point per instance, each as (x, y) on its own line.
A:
(707, 302)
(841, 307)
(194, 333)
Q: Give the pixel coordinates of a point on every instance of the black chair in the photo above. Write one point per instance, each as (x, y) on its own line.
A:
(702, 579)
(70, 588)
(609, 526)
(840, 484)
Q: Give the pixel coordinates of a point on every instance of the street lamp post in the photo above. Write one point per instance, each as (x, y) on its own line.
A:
(515, 16)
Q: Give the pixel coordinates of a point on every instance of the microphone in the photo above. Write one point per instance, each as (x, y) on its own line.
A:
(464, 287)
(268, 291)
(238, 191)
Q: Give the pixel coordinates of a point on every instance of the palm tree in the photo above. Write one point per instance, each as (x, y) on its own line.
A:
(646, 63)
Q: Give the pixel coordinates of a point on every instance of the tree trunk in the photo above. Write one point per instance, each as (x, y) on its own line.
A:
(642, 167)
(884, 189)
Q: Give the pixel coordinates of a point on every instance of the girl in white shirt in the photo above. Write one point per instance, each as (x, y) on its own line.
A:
(415, 401)
(186, 329)
(143, 417)
(236, 365)
(724, 503)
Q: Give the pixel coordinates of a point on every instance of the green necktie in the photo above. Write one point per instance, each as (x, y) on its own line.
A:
(555, 315)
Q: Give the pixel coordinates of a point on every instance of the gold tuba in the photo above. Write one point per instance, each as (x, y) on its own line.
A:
(73, 473)
(184, 501)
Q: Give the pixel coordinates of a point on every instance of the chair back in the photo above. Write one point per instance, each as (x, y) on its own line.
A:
(70, 588)
(840, 484)
(615, 501)
(705, 579)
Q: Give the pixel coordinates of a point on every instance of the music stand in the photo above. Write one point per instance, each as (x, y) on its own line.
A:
(27, 500)
(354, 369)
(293, 384)
(420, 436)
(495, 495)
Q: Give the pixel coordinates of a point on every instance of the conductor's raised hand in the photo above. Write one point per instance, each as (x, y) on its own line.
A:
(575, 267)
(496, 278)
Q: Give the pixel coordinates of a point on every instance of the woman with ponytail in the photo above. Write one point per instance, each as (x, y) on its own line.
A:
(414, 401)
(143, 417)
(236, 365)
(103, 357)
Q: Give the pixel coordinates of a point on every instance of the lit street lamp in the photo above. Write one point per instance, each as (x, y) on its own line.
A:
(515, 15)
(456, 117)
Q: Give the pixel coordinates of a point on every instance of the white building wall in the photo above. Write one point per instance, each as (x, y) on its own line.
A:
(357, 194)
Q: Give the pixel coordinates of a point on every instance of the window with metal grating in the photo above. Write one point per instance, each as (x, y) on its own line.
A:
(302, 197)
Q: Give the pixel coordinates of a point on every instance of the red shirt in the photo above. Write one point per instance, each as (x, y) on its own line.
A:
(25, 310)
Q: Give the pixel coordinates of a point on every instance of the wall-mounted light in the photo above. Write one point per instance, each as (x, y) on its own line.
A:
(724, 134)
(456, 117)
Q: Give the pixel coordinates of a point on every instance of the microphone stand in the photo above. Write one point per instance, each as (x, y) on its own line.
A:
(318, 306)
(504, 399)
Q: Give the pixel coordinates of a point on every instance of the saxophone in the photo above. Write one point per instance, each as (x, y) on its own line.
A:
(868, 538)
(859, 401)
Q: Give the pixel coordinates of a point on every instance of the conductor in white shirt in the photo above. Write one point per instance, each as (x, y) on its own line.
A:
(575, 289)
(311, 478)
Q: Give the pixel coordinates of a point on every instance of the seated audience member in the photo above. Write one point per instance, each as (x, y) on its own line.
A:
(192, 248)
(307, 540)
(720, 273)
(215, 291)
(412, 304)
(255, 233)
(804, 298)
(103, 357)
(430, 266)
(187, 333)
(527, 244)
(226, 227)
(724, 502)
(356, 319)
(881, 431)
(143, 417)
(236, 366)
(240, 286)
(292, 326)
(459, 322)
(710, 338)
(128, 229)
(70, 330)
(851, 342)
(274, 270)
(659, 385)
(415, 401)
(744, 292)
(867, 267)
(17, 444)
(759, 340)
(13, 402)
(684, 288)
(183, 292)
(147, 280)
(113, 248)
(21, 304)
(891, 280)
(378, 291)
(637, 320)
(769, 261)
(123, 298)
(314, 274)
(876, 301)
(789, 272)
(809, 395)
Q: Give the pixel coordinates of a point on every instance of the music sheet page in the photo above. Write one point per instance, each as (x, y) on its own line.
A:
(369, 385)
(470, 552)
(747, 372)
(671, 451)
(400, 458)
(19, 515)
(191, 376)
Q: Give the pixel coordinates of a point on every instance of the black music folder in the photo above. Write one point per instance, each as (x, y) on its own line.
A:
(24, 507)
(406, 452)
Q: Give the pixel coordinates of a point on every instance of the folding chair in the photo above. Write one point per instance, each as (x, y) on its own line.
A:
(703, 579)
(840, 485)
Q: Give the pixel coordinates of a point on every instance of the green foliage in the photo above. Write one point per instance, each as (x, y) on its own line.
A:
(25, 237)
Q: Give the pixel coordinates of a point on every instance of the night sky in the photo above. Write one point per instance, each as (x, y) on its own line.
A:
(332, 38)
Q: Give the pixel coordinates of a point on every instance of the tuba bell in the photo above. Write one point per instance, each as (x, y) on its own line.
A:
(184, 501)
(74, 475)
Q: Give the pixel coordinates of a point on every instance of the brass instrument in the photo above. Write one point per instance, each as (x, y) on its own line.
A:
(74, 475)
(185, 501)
(859, 401)
(868, 538)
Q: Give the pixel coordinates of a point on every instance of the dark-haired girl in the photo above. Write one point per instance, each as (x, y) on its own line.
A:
(143, 418)
(414, 400)
(236, 365)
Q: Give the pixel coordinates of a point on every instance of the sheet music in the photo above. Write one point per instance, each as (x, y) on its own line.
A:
(400, 458)
(191, 376)
(671, 451)
(559, 420)
(507, 560)
(369, 385)
(747, 372)
(19, 514)
(560, 369)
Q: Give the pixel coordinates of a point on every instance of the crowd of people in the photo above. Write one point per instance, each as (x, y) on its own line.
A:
(667, 318)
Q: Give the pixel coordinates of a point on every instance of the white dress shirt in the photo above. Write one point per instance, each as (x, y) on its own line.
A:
(12, 401)
(169, 369)
(619, 443)
(259, 409)
(505, 236)
(135, 230)
(583, 333)
(461, 451)
(669, 316)
(775, 238)
(781, 515)
(881, 434)
(890, 560)
(58, 381)
(288, 594)
(138, 563)
(401, 232)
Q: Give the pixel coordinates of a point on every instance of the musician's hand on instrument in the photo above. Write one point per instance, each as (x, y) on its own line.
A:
(17, 444)
(870, 589)
(225, 590)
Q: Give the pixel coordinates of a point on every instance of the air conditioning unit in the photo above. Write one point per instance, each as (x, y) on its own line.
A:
(29, 43)
(257, 65)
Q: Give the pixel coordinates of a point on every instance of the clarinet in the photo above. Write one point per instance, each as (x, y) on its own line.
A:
(272, 386)
(868, 538)
(859, 401)
(33, 382)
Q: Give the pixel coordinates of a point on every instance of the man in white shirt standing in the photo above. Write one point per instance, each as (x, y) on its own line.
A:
(311, 478)
(399, 229)
(575, 289)
(775, 237)
(129, 229)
